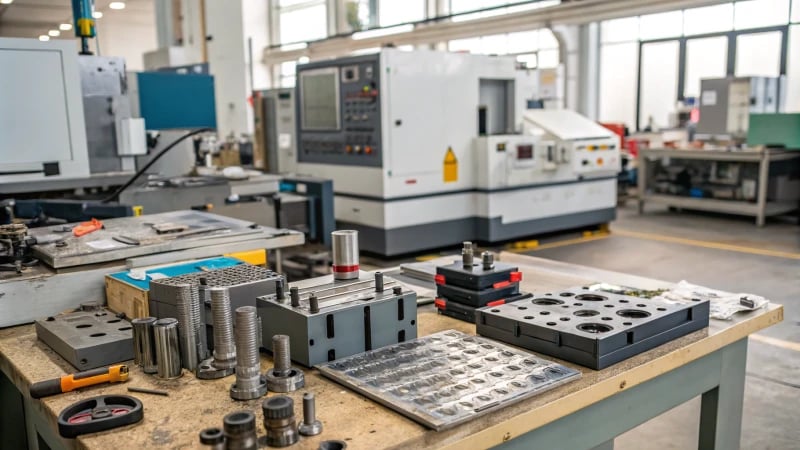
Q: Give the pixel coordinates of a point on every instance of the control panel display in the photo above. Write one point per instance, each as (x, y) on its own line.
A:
(319, 94)
(340, 125)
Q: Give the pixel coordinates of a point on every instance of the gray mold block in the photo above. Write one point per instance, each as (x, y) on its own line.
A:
(88, 339)
(593, 329)
(350, 322)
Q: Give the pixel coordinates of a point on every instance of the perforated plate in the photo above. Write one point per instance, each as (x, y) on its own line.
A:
(594, 329)
(447, 378)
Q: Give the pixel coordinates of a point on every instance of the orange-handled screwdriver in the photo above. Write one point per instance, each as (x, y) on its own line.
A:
(111, 374)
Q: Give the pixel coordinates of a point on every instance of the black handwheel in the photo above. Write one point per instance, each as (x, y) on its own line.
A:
(99, 413)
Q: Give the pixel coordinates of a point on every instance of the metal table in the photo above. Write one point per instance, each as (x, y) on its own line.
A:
(601, 405)
(760, 209)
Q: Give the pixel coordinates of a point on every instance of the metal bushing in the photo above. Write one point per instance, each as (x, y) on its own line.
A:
(240, 431)
(213, 437)
(279, 421)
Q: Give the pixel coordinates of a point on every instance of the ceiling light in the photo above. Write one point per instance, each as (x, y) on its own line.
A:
(97, 15)
(117, 5)
(65, 27)
(54, 33)
(295, 46)
(44, 38)
(6, 2)
(303, 60)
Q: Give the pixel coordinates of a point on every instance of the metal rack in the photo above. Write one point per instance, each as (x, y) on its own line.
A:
(759, 209)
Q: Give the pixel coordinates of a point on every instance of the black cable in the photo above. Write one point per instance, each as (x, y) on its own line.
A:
(139, 173)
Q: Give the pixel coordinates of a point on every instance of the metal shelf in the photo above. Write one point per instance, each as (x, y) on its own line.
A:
(722, 206)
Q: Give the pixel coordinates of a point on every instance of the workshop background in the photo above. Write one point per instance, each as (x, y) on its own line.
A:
(209, 188)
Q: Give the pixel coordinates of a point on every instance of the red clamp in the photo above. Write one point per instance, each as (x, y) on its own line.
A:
(497, 302)
(440, 303)
(439, 279)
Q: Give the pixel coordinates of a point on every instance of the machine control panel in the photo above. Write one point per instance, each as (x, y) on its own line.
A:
(345, 97)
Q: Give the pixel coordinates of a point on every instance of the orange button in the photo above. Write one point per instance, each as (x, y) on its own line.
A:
(348, 149)
(599, 161)
(368, 150)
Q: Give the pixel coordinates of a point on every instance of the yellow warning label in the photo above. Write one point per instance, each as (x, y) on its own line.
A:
(450, 166)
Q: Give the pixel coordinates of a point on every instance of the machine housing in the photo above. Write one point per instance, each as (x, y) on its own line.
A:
(400, 134)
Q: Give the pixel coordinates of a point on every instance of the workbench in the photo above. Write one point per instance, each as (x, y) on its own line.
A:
(760, 209)
(584, 414)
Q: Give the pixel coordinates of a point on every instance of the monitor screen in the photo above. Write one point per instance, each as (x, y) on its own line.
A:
(319, 97)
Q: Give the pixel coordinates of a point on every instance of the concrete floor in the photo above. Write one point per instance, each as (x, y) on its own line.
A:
(675, 246)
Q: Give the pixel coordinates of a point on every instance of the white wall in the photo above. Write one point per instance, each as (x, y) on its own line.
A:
(128, 35)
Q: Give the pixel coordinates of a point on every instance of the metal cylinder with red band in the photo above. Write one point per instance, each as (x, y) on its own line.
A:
(345, 254)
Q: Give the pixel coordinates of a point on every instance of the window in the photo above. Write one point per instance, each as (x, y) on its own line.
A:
(288, 75)
(711, 19)
(795, 11)
(302, 21)
(619, 30)
(793, 71)
(393, 12)
(760, 13)
(758, 54)
(539, 48)
(662, 25)
(462, 6)
(618, 68)
(705, 58)
(659, 82)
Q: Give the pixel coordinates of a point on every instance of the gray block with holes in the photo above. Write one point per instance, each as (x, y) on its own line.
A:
(88, 339)
(352, 318)
(592, 329)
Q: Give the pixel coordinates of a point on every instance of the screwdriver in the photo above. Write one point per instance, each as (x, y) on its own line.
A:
(111, 374)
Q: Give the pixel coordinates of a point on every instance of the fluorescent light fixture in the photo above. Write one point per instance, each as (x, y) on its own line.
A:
(6, 2)
(44, 38)
(54, 33)
(303, 60)
(297, 46)
(383, 32)
(65, 27)
(97, 15)
(117, 5)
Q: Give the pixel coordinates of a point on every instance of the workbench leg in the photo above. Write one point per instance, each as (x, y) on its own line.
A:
(13, 432)
(721, 407)
(763, 184)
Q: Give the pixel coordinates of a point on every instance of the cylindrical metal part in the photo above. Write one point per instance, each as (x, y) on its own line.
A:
(378, 281)
(345, 254)
(144, 345)
(224, 348)
(168, 355)
(310, 426)
(249, 382)
(487, 258)
(188, 306)
(313, 303)
(213, 437)
(281, 353)
(280, 292)
(467, 255)
(240, 431)
(279, 421)
(294, 293)
(309, 408)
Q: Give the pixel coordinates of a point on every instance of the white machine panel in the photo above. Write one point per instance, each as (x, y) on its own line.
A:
(41, 111)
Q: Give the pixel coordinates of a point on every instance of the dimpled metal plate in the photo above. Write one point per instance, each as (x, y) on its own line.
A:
(447, 378)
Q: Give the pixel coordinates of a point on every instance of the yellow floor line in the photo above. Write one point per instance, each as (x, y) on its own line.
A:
(706, 244)
(563, 243)
(788, 345)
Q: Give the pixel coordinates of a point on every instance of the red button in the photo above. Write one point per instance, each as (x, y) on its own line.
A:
(515, 276)
(440, 303)
(501, 284)
(439, 279)
(368, 150)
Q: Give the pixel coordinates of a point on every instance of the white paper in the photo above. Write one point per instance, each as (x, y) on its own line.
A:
(104, 244)
(284, 140)
(708, 98)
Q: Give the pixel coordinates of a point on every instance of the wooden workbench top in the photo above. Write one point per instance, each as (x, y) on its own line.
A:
(175, 421)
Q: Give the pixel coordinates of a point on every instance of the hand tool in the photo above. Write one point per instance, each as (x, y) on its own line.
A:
(111, 374)
(99, 414)
(87, 227)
